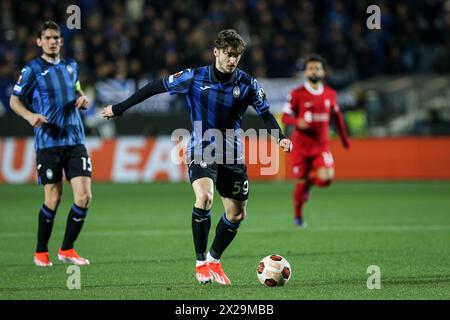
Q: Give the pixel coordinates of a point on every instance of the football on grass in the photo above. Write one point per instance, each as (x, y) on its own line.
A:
(274, 271)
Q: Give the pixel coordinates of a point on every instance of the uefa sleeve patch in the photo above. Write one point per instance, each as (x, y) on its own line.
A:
(175, 75)
(17, 88)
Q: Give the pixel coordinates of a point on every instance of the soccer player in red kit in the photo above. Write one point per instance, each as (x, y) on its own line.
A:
(309, 109)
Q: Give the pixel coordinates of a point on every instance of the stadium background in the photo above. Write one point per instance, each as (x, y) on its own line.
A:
(394, 90)
(391, 82)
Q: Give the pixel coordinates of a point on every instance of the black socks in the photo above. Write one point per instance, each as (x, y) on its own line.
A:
(45, 226)
(75, 222)
(201, 223)
(225, 233)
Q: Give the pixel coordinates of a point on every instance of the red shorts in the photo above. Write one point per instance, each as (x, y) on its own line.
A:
(303, 164)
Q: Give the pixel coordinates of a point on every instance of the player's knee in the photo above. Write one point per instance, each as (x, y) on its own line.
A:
(83, 199)
(238, 216)
(204, 200)
(53, 200)
(325, 176)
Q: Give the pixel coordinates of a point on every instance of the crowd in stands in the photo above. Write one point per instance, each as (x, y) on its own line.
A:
(144, 39)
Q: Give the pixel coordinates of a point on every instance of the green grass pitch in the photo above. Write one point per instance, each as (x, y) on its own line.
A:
(138, 238)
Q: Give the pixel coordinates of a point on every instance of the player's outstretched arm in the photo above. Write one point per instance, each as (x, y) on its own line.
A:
(34, 119)
(274, 129)
(340, 127)
(145, 92)
(288, 119)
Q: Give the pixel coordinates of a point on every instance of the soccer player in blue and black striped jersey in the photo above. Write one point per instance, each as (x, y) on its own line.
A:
(48, 95)
(217, 96)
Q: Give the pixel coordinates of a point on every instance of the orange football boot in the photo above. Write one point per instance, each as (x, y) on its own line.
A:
(71, 256)
(219, 276)
(41, 259)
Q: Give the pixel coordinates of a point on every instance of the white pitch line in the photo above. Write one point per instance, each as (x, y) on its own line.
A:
(402, 228)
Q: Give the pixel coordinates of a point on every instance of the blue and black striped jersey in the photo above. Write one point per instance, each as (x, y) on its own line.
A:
(215, 105)
(50, 90)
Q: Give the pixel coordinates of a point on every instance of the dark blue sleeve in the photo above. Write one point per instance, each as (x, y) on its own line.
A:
(258, 98)
(25, 84)
(179, 82)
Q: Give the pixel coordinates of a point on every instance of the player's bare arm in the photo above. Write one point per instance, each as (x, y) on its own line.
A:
(34, 119)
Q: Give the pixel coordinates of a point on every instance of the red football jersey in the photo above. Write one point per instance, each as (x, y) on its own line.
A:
(315, 107)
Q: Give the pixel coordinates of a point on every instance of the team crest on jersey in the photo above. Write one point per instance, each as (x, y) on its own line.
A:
(203, 164)
(69, 69)
(327, 103)
(236, 92)
(49, 174)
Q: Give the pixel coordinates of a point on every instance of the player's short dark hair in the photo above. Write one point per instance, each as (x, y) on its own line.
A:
(230, 38)
(314, 58)
(48, 25)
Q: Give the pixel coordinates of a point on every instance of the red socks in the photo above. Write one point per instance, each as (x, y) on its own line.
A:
(299, 199)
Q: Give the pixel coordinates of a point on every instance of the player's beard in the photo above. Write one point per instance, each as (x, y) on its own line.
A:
(315, 79)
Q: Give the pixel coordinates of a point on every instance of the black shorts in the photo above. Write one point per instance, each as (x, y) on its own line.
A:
(231, 180)
(73, 160)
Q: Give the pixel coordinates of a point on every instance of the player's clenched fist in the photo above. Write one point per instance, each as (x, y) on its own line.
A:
(82, 102)
(36, 120)
(286, 145)
(107, 112)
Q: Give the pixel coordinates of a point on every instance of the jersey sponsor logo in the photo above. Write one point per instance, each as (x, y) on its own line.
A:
(308, 104)
(236, 92)
(204, 87)
(320, 117)
(315, 117)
